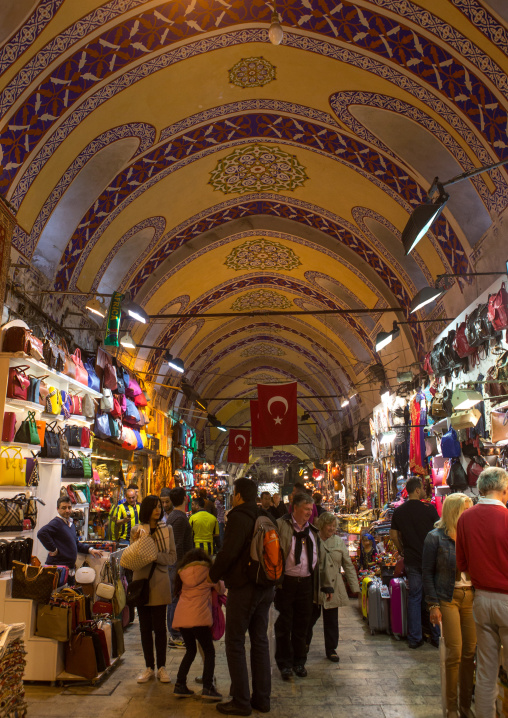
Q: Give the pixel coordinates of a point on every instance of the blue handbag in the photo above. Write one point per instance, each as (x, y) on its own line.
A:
(93, 380)
(102, 428)
(450, 445)
(131, 413)
(138, 439)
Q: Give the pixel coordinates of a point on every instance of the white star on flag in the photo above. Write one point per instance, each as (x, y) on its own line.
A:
(278, 420)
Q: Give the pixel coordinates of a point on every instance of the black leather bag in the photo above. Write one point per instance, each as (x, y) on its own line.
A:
(138, 592)
(73, 435)
(72, 468)
(450, 358)
(473, 327)
(457, 478)
(51, 448)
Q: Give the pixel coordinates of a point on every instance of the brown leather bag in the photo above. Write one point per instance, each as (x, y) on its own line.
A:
(80, 656)
(69, 365)
(19, 339)
(499, 428)
(53, 355)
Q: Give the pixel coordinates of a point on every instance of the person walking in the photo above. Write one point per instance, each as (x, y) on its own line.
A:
(411, 523)
(182, 533)
(205, 527)
(482, 551)
(128, 515)
(304, 578)
(167, 506)
(277, 509)
(247, 608)
(449, 595)
(318, 498)
(220, 512)
(152, 616)
(337, 559)
(193, 617)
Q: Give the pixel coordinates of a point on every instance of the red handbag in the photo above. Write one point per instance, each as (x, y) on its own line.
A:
(140, 400)
(116, 411)
(81, 373)
(102, 607)
(75, 404)
(498, 309)
(18, 383)
(109, 380)
(461, 344)
(85, 437)
(9, 427)
(474, 469)
(427, 365)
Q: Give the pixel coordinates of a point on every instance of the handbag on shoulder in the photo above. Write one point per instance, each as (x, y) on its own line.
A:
(138, 592)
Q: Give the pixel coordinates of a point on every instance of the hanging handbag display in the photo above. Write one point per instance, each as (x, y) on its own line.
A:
(80, 373)
(120, 383)
(465, 419)
(138, 592)
(21, 339)
(499, 427)
(115, 428)
(85, 437)
(498, 309)
(73, 435)
(32, 582)
(51, 448)
(18, 383)
(64, 446)
(80, 657)
(93, 380)
(129, 441)
(106, 402)
(101, 427)
(12, 466)
(72, 468)
(474, 469)
(69, 365)
(497, 376)
(116, 411)
(88, 407)
(32, 476)
(450, 445)
(109, 380)
(460, 343)
(131, 412)
(27, 432)
(457, 478)
(85, 574)
(87, 465)
(132, 389)
(11, 513)
(9, 426)
(54, 622)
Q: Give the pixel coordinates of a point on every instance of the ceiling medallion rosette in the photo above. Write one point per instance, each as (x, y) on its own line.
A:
(261, 379)
(257, 168)
(252, 72)
(261, 299)
(263, 350)
(262, 254)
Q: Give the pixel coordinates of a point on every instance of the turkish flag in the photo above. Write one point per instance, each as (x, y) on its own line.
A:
(258, 438)
(238, 449)
(278, 415)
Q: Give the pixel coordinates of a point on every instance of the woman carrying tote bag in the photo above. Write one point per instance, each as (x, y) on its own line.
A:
(152, 616)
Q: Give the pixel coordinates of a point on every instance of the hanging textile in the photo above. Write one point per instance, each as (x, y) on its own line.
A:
(418, 417)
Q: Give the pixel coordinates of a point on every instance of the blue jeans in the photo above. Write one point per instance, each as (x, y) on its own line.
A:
(416, 606)
(172, 605)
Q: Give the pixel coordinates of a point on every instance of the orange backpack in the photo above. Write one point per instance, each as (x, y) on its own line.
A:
(266, 561)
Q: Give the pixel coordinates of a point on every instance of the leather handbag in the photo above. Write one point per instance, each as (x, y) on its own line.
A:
(474, 469)
(32, 476)
(138, 592)
(41, 430)
(27, 432)
(457, 478)
(12, 514)
(117, 635)
(54, 622)
(43, 393)
(12, 466)
(64, 445)
(80, 373)
(450, 445)
(34, 388)
(105, 591)
(76, 404)
(131, 412)
(116, 411)
(474, 326)
(69, 365)
(93, 380)
(460, 343)
(18, 382)
(35, 583)
(109, 380)
(73, 435)
(101, 427)
(88, 406)
(107, 400)
(129, 441)
(437, 410)
(102, 608)
(80, 657)
(498, 309)
(115, 428)
(72, 468)
(465, 419)
(87, 465)
(20, 339)
(120, 383)
(9, 426)
(54, 401)
(119, 599)
(499, 427)
(54, 356)
(51, 447)
(85, 437)
(85, 574)
(133, 389)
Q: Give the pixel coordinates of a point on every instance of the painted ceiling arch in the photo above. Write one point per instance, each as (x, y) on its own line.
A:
(172, 152)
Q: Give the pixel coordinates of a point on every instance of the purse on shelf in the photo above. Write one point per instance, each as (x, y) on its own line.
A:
(54, 401)
(85, 437)
(88, 406)
(54, 622)
(75, 404)
(27, 432)
(20, 339)
(32, 476)
(12, 466)
(9, 426)
(73, 435)
(18, 382)
(80, 373)
(87, 465)
(34, 388)
(72, 468)
(64, 445)
(109, 380)
(80, 657)
(54, 356)
(51, 447)
(12, 514)
(34, 583)
(93, 380)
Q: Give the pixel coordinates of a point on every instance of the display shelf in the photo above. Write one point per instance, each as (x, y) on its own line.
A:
(22, 405)
(20, 358)
(20, 444)
(64, 676)
(16, 534)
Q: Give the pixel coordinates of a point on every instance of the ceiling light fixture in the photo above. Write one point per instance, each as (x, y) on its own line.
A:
(191, 394)
(275, 32)
(465, 399)
(404, 376)
(385, 338)
(134, 310)
(425, 214)
(95, 307)
(425, 296)
(385, 393)
(305, 416)
(212, 419)
(360, 446)
(344, 402)
(175, 363)
(127, 341)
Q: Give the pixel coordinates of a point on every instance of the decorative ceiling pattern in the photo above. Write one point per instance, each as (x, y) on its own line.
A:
(171, 151)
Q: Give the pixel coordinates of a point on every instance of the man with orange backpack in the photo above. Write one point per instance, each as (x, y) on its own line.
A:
(250, 580)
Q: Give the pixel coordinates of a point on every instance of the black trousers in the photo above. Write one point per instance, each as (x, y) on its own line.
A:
(152, 620)
(294, 601)
(330, 627)
(202, 634)
(247, 610)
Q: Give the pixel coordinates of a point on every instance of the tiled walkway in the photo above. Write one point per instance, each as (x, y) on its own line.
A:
(377, 677)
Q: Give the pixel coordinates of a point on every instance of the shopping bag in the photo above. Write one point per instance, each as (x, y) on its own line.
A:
(54, 622)
(140, 553)
(80, 656)
(442, 665)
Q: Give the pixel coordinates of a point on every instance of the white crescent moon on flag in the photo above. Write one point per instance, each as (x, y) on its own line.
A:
(275, 399)
(242, 439)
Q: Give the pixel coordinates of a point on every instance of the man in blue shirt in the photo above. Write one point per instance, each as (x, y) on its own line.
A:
(60, 539)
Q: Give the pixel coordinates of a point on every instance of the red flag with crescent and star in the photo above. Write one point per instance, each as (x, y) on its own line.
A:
(278, 415)
(238, 448)
(258, 438)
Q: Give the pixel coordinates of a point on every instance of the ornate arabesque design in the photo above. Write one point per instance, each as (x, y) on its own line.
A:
(261, 299)
(262, 254)
(252, 72)
(263, 349)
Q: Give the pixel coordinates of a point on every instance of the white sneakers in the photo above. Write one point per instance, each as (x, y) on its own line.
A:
(148, 674)
(163, 675)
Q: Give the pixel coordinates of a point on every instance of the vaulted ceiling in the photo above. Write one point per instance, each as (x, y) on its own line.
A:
(170, 150)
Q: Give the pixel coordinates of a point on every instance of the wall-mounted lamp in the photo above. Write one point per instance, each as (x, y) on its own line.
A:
(175, 363)
(424, 215)
(127, 341)
(212, 419)
(94, 306)
(133, 310)
(385, 338)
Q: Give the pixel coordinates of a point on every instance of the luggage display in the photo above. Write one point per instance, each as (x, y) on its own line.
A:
(398, 607)
(365, 596)
(378, 607)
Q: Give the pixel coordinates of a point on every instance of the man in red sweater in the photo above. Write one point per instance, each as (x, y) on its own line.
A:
(482, 551)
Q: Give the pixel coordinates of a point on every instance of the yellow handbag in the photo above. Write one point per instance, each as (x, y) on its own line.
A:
(12, 468)
(144, 438)
(54, 401)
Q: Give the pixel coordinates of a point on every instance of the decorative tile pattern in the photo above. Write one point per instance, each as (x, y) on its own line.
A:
(257, 168)
(262, 378)
(262, 299)
(252, 72)
(262, 254)
(263, 349)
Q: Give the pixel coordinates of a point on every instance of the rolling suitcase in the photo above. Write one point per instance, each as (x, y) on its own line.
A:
(379, 607)
(398, 607)
(365, 596)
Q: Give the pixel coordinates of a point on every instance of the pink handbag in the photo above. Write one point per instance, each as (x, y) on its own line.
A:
(219, 622)
(81, 373)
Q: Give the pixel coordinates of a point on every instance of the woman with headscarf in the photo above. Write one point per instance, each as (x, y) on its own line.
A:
(368, 550)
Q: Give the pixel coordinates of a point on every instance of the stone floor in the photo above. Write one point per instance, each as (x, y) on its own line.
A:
(377, 677)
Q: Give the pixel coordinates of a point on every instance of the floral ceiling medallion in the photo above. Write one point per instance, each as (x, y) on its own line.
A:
(262, 379)
(261, 299)
(263, 349)
(257, 168)
(252, 72)
(262, 254)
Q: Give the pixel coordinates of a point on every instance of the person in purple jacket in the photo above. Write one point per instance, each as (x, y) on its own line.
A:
(59, 537)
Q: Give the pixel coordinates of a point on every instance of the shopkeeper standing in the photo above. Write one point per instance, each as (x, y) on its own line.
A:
(128, 515)
(60, 539)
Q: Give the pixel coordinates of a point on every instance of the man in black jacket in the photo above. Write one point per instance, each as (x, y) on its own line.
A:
(247, 608)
